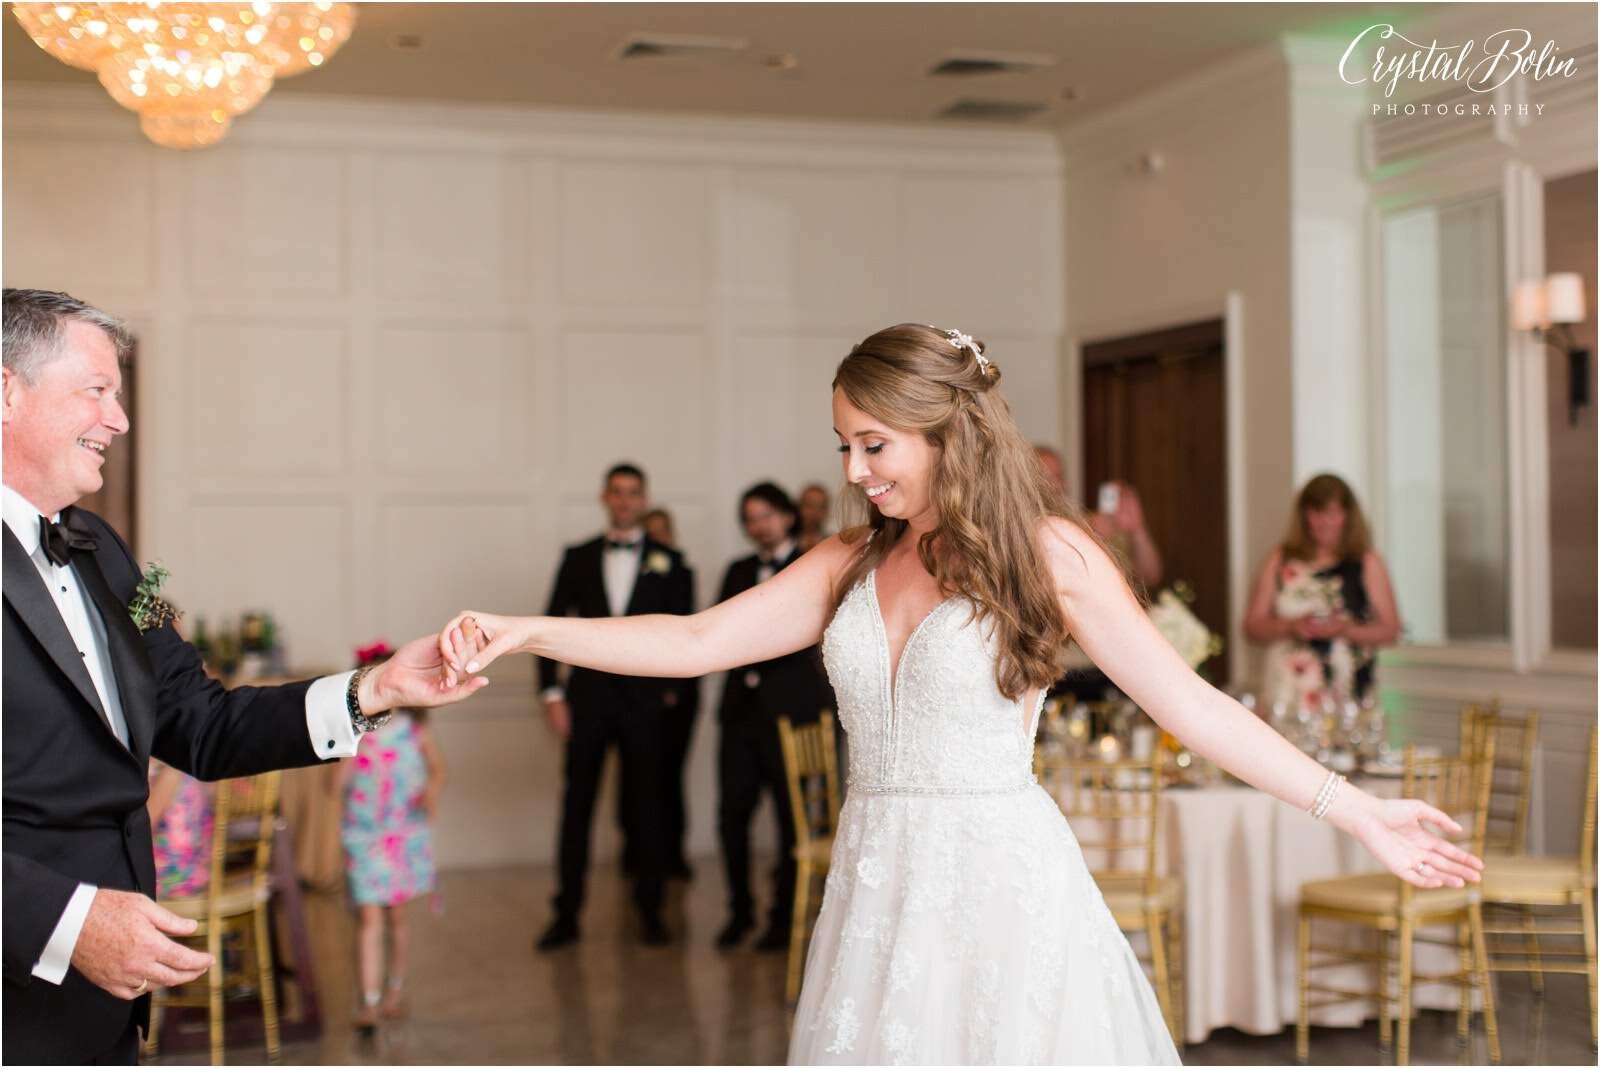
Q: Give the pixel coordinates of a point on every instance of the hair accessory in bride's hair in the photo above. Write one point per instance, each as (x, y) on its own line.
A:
(964, 341)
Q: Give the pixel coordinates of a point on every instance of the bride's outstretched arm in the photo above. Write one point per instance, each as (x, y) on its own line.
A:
(784, 614)
(1106, 620)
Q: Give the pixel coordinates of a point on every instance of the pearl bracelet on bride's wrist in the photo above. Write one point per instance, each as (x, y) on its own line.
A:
(1324, 799)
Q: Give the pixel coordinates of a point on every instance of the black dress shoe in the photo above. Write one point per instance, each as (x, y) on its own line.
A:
(653, 932)
(775, 939)
(734, 932)
(562, 932)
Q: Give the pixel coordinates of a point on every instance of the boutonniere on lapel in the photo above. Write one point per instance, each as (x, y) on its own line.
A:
(147, 608)
(657, 563)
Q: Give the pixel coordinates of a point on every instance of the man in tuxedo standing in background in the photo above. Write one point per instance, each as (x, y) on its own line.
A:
(658, 525)
(749, 755)
(623, 572)
(93, 690)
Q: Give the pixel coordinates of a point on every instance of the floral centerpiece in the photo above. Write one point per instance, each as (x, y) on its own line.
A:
(1172, 616)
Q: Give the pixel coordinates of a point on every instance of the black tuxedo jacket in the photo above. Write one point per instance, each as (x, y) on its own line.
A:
(664, 586)
(74, 796)
(792, 685)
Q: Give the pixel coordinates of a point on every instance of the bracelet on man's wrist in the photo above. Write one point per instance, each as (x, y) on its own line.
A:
(363, 723)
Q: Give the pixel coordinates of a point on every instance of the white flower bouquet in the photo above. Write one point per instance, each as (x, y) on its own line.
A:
(1177, 623)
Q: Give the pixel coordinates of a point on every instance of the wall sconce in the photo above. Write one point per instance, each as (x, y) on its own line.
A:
(1548, 308)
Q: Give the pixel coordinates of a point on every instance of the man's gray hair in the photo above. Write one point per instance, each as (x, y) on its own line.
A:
(33, 319)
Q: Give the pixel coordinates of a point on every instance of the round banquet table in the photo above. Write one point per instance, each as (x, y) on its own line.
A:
(1243, 856)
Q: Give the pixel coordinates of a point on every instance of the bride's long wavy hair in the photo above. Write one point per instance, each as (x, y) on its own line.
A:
(988, 488)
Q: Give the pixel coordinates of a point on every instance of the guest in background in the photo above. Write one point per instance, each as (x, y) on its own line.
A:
(623, 572)
(749, 756)
(180, 811)
(675, 758)
(1054, 469)
(1119, 519)
(391, 793)
(1322, 603)
(815, 506)
(658, 524)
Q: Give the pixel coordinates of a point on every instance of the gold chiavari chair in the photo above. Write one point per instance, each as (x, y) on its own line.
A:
(1511, 782)
(234, 903)
(1538, 887)
(810, 763)
(1510, 797)
(1114, 809)
(1397, 911)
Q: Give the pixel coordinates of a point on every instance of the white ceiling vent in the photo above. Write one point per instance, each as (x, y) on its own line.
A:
(967, 63)
(993, 110)
(679, 46)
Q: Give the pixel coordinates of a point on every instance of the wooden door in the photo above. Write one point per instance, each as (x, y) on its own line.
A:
(1154, 416)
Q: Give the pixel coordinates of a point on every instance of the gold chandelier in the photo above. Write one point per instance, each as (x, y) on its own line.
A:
(188, 68)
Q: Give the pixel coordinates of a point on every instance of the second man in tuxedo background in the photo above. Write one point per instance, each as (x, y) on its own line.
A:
(749, 756)
(621, 573)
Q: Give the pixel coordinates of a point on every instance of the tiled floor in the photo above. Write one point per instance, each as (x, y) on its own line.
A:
(481, 995)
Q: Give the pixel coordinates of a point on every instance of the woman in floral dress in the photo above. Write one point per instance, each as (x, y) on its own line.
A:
(1322, 603)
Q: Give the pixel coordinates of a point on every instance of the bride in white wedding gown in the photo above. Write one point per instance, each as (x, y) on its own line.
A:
(960, 924)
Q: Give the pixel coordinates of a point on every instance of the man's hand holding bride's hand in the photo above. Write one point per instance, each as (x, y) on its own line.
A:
(473, 640)
(417, 676)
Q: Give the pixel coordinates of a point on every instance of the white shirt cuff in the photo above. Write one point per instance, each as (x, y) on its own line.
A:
(327, 718)
(57, 955)
(553, 693)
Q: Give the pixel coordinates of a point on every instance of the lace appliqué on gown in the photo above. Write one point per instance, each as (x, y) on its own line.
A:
(960, 924)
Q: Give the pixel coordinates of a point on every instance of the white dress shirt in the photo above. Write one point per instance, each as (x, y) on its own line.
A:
(619, 573)
(620, 570)
(766, 567)
(327, 720)
(769, 562)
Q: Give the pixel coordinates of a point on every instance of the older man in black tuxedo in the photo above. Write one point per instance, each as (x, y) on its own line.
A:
(91, 694)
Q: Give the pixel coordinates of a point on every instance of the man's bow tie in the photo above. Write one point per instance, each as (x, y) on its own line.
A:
(612, 543)
(58, 540)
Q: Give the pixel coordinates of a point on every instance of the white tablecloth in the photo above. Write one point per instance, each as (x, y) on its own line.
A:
(1243, 856)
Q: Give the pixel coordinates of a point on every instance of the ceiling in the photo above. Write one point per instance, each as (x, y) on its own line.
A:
(849, 60)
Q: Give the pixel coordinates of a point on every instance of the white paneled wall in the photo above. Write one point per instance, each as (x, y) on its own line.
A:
(387, 351)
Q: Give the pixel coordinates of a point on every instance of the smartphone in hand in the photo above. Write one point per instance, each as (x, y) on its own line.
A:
(1110, 497)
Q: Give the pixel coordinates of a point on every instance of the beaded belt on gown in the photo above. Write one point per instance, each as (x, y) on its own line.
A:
(920, 790)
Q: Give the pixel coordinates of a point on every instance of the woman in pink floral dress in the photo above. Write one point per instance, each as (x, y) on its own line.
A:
(1322, 603)
(391, 789)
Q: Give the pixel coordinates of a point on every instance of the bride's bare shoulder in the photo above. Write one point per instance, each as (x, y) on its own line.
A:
(835, 553)
(1072, 553)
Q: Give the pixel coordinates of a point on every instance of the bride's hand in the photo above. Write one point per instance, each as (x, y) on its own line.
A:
(473, 640)
(1398, 833)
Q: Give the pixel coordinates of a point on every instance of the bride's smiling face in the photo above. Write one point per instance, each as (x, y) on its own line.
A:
(894, 468)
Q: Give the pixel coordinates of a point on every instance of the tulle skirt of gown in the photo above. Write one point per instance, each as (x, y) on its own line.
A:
(968, 930)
